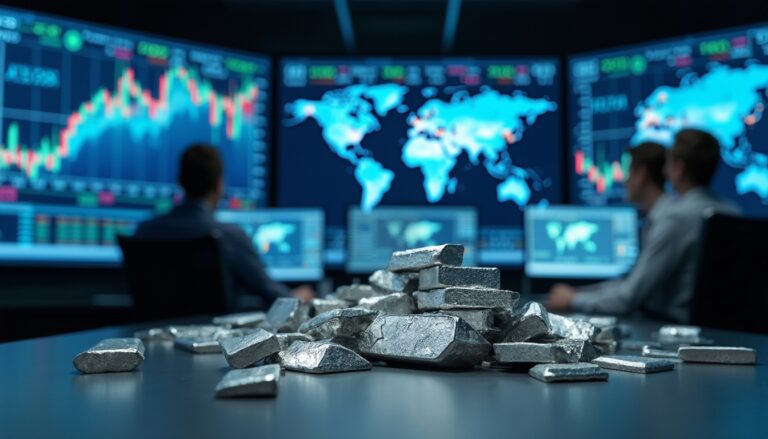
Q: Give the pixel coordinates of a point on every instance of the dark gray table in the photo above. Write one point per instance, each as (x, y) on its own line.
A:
(41, 395)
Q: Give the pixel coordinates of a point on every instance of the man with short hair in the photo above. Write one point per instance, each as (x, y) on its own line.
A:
(201, 175)
(661, 282)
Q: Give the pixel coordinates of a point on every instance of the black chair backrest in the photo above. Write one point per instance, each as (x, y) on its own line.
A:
(175, 278)
(731, 287)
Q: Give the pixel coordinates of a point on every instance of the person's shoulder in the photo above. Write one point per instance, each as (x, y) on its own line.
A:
(230, 231)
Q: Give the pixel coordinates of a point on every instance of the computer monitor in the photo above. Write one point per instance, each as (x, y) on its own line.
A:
(289, 241)
(580, 242)
(422, 132)
(716, 82)
(375, 235)
(92, 123)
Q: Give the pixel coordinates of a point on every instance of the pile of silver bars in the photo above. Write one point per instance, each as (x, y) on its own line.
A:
(425, 309)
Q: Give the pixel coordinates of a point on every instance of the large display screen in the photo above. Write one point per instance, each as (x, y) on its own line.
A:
(449, 132)
(716, 82)
(93, 121)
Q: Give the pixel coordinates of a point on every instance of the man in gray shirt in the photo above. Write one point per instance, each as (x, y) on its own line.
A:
(661, 282)
(201, 176)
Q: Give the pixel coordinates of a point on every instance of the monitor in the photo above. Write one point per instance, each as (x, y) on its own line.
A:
(580, 241)
(93, 120)
(422, 132)
(622, 97)
(289, 241)
(374, 235)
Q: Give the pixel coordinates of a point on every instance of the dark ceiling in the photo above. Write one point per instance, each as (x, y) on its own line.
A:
(413, 27)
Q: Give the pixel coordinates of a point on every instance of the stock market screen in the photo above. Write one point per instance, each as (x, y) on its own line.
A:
(448, 132)
(715, 82)
(93, 121)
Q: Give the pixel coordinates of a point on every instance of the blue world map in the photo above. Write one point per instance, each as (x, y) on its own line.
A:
(725, 101)
(483, 126)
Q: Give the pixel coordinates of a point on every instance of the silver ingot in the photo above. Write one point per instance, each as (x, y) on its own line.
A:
(444, 277)
(634, 364)
(242, 352)
(599, 321)
(481, 320)
(717, 354)
(420, 258)
(388, 282)
(246, 319)
(396, 304)
(433, 340)
(572, 329)
(198, 346)
(257, 381)
(550, 373)
(457, 297)
(193, 331)
(349, 322)
(355, 293)
(527, 353)
(679, 332)
(577, 351)
(649, 351)
(321, 357)
(351, 343)
(154, 334)
(287, 339)
(532, 322)
(111, 355)
(320, 306)
(286, 314)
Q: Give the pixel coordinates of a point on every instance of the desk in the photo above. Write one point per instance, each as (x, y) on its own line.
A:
(41, 395)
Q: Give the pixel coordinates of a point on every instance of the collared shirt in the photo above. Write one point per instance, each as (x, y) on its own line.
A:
(662, 280)
(193, 218)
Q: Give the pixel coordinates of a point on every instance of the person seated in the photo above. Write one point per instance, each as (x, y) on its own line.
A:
(660, 285)
(201, 176)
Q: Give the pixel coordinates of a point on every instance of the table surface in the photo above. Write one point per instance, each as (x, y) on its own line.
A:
(171, 395)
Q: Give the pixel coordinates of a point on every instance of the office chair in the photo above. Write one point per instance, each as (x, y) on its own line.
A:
(731, 286)
(175, 278)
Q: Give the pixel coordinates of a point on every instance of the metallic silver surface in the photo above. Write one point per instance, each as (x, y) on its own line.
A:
(111, 355)
(649, 351)
(444, 277)
(718, 354)
(420, 258)
(240, 320)
(577, 351)
(154, 334)
(572, 329)
(630, 363)
(396, 304)
(531, 322)
(457, 297)
(349, 322)
(599, 321)
(550, 373)
(351, 343)
(388, 282)
(287, 339)
(257, 381)
(193, 331)
(286, 314)
(608, 334)
(434, 340)
(355, 293)
(320, 306)
(680, 331)
(527, 353)
(321, 357)
(198, 346)
(481, 320)
(245, 351)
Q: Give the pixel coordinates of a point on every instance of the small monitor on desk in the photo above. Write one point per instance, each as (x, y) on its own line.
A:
(289, 241)
(580, 242)
(373, 236)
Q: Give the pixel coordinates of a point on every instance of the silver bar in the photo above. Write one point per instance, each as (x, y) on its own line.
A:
(392, 304)
(241, 352)
(198, 346)
(387, 282)
(718, 354)
(111, 355)
(349, 322)
(425, 257)
(444, 277)
(630, 363)
(321, 357)
(257, 381)
(456, 297)
(551, 373)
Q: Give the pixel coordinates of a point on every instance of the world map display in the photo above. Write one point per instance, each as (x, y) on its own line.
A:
(717, 83)
(483, 126)
(569, 237)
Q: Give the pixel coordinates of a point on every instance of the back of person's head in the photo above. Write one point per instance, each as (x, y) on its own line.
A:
(200, 170)
(699, 152)
(651, 157)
